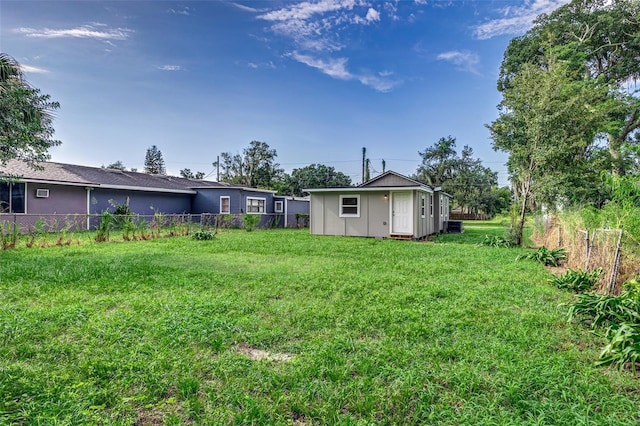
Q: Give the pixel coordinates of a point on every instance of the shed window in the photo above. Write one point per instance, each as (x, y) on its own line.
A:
(350, 206)
(431, 204)
(255, 205)
(12, 199)
(422, 205)
(278, 207)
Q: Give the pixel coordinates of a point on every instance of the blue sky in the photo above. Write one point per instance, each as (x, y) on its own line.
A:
(317, 81)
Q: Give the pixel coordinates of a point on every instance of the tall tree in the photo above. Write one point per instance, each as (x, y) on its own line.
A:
(153, 162)
(547, 124)
(438, 162)
(187, 173)
(26, 116)
(256, 167)
(472, 185)
(597, 40)
(313, 176)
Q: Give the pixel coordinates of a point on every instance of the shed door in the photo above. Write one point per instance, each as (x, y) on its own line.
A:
(401, 213)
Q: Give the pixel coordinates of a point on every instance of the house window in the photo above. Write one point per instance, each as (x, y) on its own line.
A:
(12, 199)
(225, 205)
(255, 205)
(422, 205)
(350, 206)
(278, 207)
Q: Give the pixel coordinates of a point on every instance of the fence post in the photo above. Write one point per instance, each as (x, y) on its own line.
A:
(616, 264)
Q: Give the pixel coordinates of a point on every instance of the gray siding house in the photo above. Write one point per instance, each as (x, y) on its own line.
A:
(388, 206)
(68, 189)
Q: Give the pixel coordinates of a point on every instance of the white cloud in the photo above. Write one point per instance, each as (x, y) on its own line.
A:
(372, 15)
(171, 68)
(34, 70)
(318, 29)
(337, 68)
(516, 20)
(184, 11)
(465, 61)
(256, 65)
(247, 8)
(84, 31)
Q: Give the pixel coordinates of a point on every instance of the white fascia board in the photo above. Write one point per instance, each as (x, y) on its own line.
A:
(58, 182)
(147, 189)
(372, 189)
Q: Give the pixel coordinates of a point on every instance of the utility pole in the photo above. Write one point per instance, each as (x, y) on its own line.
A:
(218, 168)
(364, 155)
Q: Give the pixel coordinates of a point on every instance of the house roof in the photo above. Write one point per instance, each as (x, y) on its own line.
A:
(401, 183)
(72, 174)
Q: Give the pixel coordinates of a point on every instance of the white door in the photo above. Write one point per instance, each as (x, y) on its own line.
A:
(401, 213)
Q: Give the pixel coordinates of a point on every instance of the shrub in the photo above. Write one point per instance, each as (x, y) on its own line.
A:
(495, 241)
(104, 229)
(204, 235)
(620, 318)
(578, 281)
(9, 234)
(251, 221)
(545, 256)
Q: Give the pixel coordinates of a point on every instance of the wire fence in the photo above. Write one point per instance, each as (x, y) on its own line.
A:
(589, 250)
(27, 223)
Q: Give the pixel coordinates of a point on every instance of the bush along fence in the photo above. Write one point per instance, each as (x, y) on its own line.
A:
(48, 230)
(591, 250)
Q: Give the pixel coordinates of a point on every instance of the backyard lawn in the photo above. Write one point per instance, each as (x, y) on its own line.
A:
(281, 327)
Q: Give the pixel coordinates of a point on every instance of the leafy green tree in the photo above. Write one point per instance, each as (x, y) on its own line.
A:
(153, 162)
(597, 40)
(118, 165)
(547, 124)
(313, 176)
(256, 167)
(438, 162)
(187, 173)
(26, 115)
(464, 177)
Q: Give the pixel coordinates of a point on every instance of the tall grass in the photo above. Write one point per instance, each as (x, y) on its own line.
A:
(281, 327)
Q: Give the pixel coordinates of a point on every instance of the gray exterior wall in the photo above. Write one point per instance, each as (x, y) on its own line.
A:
(373, 221)
(140, 202)
(65, 205)
(62, 199)
(390, 181)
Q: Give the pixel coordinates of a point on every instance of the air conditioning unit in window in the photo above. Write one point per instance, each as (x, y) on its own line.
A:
(42, 193)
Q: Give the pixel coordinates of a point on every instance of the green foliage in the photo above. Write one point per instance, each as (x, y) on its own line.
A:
(104, 229)
(313, 176)
(619, 317)
(154, 162)
(473, 186)
(497, 241)
(545, 256)
(302, 220)
(578, 281)
(26, 117)
(256, 167)
(251, 221)
(204, 234)
(9, 232)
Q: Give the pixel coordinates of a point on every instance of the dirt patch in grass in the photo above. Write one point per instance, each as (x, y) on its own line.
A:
(259, 354)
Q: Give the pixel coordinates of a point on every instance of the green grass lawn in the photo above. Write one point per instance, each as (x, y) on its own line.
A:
(351, 331)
